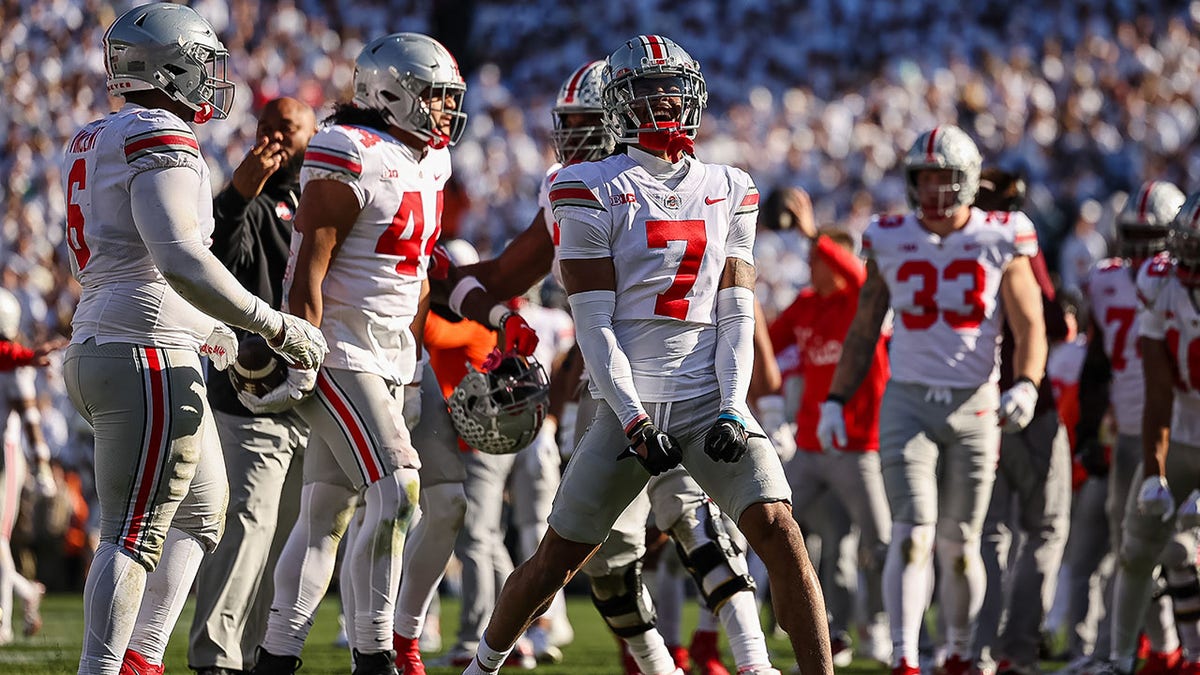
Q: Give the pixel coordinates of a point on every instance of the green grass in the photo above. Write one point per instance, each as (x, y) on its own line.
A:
(56, 648)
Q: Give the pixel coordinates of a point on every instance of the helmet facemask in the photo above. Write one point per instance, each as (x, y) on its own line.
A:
(654, 95)
(1138, 242)
(409, 78)
(949, 193)
(580, 136)
(949, 149)
(1144, 224)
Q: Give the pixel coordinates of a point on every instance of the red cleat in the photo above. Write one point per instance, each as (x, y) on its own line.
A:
(706, 655)
(1159, 663)
(905, 668)
(136, 664)
(408, 655)
(681, 657)
(956, 665)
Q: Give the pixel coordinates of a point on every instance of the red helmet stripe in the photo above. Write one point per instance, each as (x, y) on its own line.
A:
(656, 47)
(930, 145)
(573, 85)
(1144, 201)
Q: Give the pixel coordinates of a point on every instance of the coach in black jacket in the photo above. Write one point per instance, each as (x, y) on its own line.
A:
(252, 236)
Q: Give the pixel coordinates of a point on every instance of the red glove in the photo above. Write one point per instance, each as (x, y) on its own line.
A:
(516, 336)
(439, 263)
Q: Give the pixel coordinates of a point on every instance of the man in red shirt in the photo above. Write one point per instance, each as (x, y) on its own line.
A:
(815, 323)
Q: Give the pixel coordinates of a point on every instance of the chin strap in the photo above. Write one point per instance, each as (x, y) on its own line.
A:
(666, 137)
(204, 114)
(438, 140)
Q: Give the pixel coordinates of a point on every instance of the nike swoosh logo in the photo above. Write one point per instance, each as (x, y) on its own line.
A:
(710, 201)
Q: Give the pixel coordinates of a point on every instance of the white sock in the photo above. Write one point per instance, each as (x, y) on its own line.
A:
(166, 592)
(739, 616)
(668, 602)
(426, 553)
(1189, 635)
(377, 555)
(487, 660)
(8, 579)
(114, 587)
(306, 565)
(1161, 629)
(963, 582)
(345, 583)
(650, 652)
(707, 621)
(907, 576)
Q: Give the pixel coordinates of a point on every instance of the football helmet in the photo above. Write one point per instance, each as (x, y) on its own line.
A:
(173, 49)
(580, 134)
(500, 411)
(399, 74)
(1145, 222)
(10, 315)
(944, 147)
(642, 72)
(1183, 241)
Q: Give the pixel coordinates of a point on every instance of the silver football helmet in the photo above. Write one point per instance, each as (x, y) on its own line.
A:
(10, 315)
(944, 147)
(580, 134)
(400, 74)
(171, 48)
(643, 71)
(1183, 241)
(1145, 222)
(500, 411)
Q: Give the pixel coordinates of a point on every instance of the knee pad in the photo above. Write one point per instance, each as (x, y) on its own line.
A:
(914, 542)
(624, 601)
(710, 555)
(444, 504)
(1183, 580)
(1138, 556)
(397, 495)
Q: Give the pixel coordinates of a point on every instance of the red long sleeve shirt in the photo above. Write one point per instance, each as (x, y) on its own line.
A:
(13, 355)
(817, 325)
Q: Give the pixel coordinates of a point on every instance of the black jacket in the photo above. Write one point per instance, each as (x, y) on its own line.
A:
(252, 239)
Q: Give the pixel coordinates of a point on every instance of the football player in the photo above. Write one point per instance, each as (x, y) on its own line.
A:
(944, 269)
(139, 214)
(668, 343)
(680, 507)
(1161, 518)
(1112, 378)
(369, 214)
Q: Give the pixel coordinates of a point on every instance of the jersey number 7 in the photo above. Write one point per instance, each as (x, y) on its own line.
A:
(674, 303)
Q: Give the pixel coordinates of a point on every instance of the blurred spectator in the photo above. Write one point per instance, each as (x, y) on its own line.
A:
(1083, 248)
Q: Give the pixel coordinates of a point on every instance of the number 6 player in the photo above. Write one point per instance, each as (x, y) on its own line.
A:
(945, 270)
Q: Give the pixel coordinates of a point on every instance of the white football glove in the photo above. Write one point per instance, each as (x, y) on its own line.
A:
(300, 343)
(775, 424)
(1154, 498)
(1188, 517)
(542, 451)
(43, 479)
(298, 386)
(1016, 406)
(221, 347)
(831, 428)
(412, 405)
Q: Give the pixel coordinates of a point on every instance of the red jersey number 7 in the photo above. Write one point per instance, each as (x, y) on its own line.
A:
(674, 303)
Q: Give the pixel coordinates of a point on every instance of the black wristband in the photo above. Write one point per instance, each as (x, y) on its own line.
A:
(835, 398)
(1023, 378)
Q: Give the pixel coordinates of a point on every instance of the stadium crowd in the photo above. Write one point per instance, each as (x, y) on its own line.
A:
(1083, 98)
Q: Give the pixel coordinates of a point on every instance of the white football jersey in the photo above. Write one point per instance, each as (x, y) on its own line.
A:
(1170, 314)
(372, 289)
(547, 212)
(1112, 291)
(125, 297)
(555, 331)
(15, 385)
(945, 293)
(669, 248)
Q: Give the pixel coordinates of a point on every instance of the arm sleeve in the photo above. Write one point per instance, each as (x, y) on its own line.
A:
(735, 346)
(608, 365)
(168, 226)
(844, 263)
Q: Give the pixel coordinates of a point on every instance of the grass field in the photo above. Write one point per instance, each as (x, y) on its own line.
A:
(56, 648)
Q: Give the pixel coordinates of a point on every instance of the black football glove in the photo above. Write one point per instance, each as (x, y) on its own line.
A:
(726, 440)
(656, 450)
(1094, 458)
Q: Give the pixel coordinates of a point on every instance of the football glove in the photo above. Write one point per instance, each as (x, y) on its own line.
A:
(726, 440)
(516, 335)
(831, 427)
(656, 450)
(221, 346)
(298, 386)
(1154, 498)
(1017, 404)
(299, 342)
(1188, 517)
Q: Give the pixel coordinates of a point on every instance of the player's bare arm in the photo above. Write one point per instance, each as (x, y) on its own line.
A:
(766, 379)
(858, 349)
(418, 323)
(1160, 401)
(1022, 300)
(596, 274)
(327, 212)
